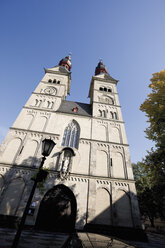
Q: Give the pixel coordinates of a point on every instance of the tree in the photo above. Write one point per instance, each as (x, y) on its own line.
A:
(149, 193)
(144, 192)
(150, 173)
(154, 107)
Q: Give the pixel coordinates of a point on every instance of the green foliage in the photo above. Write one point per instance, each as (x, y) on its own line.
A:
(40, 175)
(149, 194)
(150, 173)
(154, 107)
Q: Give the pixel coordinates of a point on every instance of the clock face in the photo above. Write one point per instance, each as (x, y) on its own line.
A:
(50, 90)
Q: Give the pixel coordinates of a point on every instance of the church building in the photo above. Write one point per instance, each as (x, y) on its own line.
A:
(90, 184)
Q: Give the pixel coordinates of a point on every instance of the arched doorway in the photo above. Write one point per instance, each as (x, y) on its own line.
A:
(57, 211)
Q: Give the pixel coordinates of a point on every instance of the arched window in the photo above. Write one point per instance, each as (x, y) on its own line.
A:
(71, 135)
(36, 102)
(101, 89)
(112, 116)
(48, 104)
(100, 113)
(115, 115)
(52, 105)
(104, 114)
(109, 90)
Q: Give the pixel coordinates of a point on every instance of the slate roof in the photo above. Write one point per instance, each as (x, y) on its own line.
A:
(83, 108)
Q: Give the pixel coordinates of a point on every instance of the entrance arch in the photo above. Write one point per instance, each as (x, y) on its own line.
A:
(57, 211)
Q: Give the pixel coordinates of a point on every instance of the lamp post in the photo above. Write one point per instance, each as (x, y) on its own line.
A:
(47, 147)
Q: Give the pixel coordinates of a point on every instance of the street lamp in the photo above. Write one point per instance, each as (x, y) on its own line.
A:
(47, 147)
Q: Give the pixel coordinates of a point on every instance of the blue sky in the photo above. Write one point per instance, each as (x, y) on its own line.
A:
(127, 34)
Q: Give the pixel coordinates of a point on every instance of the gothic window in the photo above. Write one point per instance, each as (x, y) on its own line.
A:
(101, 89)
(105, 89)
(58, 82)
(54, 81)
(50, 80)
(71, 135)
(109, 90)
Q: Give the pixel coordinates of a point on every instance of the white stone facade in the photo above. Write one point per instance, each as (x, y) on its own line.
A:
(100, 173)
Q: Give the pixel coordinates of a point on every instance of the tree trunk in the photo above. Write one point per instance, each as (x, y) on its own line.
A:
(152, 221)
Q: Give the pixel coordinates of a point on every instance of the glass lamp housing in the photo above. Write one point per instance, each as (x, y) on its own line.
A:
(47, 147)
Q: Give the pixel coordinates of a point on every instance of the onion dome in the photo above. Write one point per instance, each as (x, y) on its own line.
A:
(100, 68)
(66, 62)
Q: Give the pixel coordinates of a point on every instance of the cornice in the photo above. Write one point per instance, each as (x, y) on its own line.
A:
(39, 109)
(75, 114)
(111, 105)
(43, 94)
(101, 178)
(72, 177)
(102, 142)
(90, 117)
(108, 120)
(67, 73)
(111, 80)
(34, 132)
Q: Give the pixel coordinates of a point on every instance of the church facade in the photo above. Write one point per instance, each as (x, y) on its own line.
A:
(90, 160)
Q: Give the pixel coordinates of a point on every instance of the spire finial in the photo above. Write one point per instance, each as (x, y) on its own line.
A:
(100, 68)
(69, 55)
(66, 62)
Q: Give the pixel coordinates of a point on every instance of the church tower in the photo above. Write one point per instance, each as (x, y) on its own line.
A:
(90, 183)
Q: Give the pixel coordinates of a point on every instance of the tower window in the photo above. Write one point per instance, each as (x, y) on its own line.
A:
(50, 80)
(111, 162)
(100, 113)
(112, 115)
(54, 81)
(115, 115)
(71, 135)
(104, 114)
(101, 89)
(105, 89)
(109, 90)
(58, 82)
